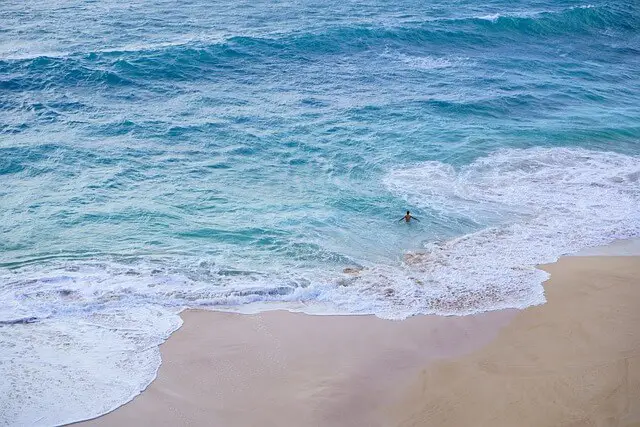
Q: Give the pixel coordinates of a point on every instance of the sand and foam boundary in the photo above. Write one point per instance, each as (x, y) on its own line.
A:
(572, 361)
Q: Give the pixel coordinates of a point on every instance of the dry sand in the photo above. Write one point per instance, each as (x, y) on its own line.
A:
(574, 361)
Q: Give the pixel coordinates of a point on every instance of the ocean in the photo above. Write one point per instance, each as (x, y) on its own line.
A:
(253, 155)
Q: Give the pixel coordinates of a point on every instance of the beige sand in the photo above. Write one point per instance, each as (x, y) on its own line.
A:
(573, 361)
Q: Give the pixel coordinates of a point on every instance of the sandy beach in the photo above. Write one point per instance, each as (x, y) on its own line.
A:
(574, 361)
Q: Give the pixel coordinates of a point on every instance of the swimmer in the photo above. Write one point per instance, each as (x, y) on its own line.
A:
(408, 217)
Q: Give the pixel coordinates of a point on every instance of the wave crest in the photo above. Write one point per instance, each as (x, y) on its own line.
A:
(532, 206)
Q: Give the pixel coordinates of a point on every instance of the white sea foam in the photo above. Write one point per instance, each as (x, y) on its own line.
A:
(425, 62)
(529, 13)
(68, 369)
(492, 17)
(18, 51)
(428, 62)
(540, 203)
(520, 14)
(88, 333)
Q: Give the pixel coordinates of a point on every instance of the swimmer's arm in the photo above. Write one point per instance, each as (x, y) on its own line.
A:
(413, 217)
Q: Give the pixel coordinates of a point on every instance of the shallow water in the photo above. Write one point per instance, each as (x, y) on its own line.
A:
(227, 156)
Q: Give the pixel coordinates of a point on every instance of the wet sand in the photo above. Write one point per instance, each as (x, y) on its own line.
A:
(574, 361)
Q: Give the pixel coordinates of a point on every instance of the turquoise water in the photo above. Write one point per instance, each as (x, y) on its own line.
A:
(156, 156)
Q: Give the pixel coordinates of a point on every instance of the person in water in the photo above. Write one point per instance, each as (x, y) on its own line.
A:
(408, 217)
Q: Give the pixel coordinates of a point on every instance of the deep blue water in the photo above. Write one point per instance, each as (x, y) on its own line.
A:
(156, 155)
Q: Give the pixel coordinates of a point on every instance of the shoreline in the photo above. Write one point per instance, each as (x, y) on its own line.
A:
(283, 368)
(453, 336)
